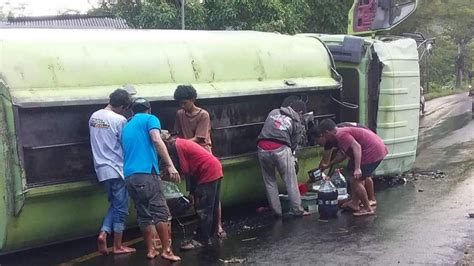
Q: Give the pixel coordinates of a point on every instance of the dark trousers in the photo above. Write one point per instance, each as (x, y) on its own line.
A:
(206, 203)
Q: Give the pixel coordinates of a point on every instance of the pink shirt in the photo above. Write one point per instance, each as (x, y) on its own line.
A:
(372, 147)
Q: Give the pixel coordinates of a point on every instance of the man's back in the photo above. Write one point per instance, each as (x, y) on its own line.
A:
(196, 161)
(105, 128)
(372, 147)
(139, 153)
(283, 125)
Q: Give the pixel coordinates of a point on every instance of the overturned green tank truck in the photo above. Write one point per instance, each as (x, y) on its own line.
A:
(53, 80)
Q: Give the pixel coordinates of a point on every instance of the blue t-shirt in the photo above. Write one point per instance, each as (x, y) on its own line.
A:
(139, 153)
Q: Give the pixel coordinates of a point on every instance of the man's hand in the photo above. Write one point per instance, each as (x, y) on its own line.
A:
(174, 175)
(357, 173)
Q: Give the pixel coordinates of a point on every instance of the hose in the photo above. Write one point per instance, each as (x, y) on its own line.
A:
(345, 104)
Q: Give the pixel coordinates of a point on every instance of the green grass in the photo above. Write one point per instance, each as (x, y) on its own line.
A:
(443, 92)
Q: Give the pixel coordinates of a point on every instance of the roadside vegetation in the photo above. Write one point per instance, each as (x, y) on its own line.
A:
(448, 68)
(444, 71)
(437, 92)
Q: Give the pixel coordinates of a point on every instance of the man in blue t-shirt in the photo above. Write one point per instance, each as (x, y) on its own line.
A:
(141, 141)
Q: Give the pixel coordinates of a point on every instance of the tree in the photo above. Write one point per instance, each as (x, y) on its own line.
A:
(285, 16)
(452, 23)
(458, 20)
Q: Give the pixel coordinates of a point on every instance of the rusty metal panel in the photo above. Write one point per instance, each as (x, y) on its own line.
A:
(55, 140)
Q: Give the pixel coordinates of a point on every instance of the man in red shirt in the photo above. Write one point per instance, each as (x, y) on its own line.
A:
(206, 170)
(366, 151)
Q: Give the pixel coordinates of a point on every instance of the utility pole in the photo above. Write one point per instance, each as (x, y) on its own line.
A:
(182, 14)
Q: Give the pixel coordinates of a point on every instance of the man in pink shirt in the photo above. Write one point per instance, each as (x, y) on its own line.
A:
(364, 148)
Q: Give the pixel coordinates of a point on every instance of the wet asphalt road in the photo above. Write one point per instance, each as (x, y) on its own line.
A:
(423, 221)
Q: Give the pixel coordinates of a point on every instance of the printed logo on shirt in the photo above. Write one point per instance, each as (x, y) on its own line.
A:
(281, 122)
(98, 123)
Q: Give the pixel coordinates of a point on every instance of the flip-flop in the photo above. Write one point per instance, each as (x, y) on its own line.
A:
(190, 245)
(363, 213)
(372, 204)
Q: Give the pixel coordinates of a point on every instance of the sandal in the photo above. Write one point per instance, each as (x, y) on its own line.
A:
(190, 245)
(363, 213)
(372, 203)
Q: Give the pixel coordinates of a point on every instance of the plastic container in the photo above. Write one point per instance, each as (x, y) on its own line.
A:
(327, 200)
(315, 175)
(303, 188)
(309, 202)
(340, 183)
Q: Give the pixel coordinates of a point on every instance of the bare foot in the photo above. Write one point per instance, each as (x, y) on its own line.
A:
(350, 206)
(168, 255)
(152, 254)
(122, 250)
(373, 202)
(221, 233)
(102, 243)
(344, 205)
(364, 212)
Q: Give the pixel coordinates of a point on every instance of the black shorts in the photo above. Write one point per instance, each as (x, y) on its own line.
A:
(146, 191)
(367, 169)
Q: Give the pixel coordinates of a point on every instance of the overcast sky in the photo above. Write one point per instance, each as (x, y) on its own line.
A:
(45, 7)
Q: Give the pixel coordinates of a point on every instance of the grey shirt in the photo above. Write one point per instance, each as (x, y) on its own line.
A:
(283, 125)
(105, 128)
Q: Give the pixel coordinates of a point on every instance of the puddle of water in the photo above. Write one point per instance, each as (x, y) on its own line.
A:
(442, 129)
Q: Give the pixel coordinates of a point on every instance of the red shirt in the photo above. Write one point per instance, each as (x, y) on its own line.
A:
(372, 147)
(196, 161)
(268, 145)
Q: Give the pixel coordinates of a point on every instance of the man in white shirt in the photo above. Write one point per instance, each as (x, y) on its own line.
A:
(105, 127)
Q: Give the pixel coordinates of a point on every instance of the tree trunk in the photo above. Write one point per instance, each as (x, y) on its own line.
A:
(460, 64)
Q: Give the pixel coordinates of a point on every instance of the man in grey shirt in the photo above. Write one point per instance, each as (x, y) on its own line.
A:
(105, 127)
(277, 142)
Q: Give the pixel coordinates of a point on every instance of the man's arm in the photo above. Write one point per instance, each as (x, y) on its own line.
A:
(163, 152)
(296, 133)
(202, 128)
(340, 157)
(326, 159)
(357, 153)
